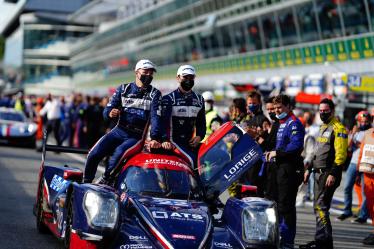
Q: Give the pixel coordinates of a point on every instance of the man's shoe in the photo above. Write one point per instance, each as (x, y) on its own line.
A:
(369, 240)
(359, 221)
(343, 217)
(310, 245)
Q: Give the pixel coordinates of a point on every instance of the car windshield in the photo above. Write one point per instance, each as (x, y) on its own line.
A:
(159, 182)
(12, 116)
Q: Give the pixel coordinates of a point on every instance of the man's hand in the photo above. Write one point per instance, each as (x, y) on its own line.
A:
(252, 131)
(270, 155)
(153, 144)
(194, 141)
(167, 145)
(114, 113)
(306, 176)
(330, 181)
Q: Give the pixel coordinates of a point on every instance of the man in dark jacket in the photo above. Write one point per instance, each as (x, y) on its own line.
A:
(183, 114)
(287, 156)
(134, 105)
(329, 157)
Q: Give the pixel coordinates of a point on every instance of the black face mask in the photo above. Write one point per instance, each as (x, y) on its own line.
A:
(273, 116)
(309, 121)
(365, 127)
(187, 84)
(146, 79)
(325, 116)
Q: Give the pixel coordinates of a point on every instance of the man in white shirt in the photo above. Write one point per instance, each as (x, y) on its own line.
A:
(53, 110)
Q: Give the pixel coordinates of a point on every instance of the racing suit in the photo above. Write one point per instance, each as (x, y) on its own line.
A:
(329, 158)
(289, 175)
(137, 107)
(183, 117)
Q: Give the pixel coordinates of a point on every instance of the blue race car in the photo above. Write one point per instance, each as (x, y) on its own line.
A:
(158, 201)
(15, 128)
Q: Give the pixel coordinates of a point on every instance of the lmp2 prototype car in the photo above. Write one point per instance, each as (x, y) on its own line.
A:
(158, 202)
(15, 128)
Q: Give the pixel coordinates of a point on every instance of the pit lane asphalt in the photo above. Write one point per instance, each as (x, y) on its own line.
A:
(18, 183)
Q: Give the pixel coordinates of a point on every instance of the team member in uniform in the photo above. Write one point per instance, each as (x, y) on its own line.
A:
(366, 166)
(213, 120)
(329, 158)
(287, 156)
(134, 105)
(183, 114)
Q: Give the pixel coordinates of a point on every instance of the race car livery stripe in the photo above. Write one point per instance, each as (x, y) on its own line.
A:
(166, 244)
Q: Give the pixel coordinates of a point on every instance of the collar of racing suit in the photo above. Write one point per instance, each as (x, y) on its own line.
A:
(285, 118)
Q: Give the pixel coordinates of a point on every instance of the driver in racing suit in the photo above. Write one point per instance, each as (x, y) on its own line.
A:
(183, 114)
(289, 170)
(134, 105)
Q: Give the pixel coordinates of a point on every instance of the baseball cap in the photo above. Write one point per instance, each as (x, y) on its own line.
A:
(208, 96)
(145, 64)
(186, 70)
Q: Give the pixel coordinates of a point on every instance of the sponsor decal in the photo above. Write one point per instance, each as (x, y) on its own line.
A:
(177, 216)
(223, 245)
(137, 238)
(166, 161)
(242, 163)
(123, 197)
(182, 110)
(179, 203)
(57, 183)
(135, 246)
(183, 236)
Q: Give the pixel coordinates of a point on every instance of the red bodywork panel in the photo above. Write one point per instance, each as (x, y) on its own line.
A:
(160, 161)
(77, 243)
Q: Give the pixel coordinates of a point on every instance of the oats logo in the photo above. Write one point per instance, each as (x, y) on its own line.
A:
(176, 215)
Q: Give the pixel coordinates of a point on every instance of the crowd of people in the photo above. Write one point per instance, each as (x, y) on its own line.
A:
(299, 146)
(75, 120)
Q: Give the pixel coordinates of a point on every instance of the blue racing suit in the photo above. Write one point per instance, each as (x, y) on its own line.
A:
(183, 118)
(289, 145)
(137, 107)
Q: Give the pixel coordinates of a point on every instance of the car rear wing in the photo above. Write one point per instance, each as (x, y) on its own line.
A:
(55, 148)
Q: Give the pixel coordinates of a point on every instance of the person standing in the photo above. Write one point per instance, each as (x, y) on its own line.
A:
(366, 167)
(53, 110)
(183, 113)
(354, 141)
(329, 158)
(269, 144)
(213, 120)
(134, 106)
(287, 157)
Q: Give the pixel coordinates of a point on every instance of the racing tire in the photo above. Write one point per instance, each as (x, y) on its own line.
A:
(42, 228)
(69, 223)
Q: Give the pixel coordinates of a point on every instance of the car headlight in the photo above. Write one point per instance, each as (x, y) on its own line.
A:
(31, 128)
(260, 224)
(101, 210)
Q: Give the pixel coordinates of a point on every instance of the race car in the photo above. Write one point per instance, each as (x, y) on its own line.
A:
(15, 128)
(159, 201)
